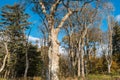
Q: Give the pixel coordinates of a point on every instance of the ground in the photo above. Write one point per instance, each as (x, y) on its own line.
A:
(89, 77)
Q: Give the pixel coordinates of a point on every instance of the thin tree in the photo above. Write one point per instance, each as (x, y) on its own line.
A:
(26, 55)
(110, 50)
(4, 40)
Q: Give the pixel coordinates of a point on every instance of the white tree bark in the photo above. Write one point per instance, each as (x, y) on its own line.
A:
(5, 58)
(109, 66)
(82, 52)
(53, 33)
(78, 67)
(109, 53)
(27, 65)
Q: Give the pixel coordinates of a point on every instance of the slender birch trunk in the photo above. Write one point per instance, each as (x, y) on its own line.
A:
(27, 64)
(109, 66)
(79, 58)
(26, 55)
(109, 53)
(82, 65)
(5, 58)
(78, 67)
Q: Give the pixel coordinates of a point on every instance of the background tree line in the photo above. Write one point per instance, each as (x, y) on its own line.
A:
(89, 49)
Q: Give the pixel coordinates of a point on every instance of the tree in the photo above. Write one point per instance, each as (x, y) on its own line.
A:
(110, 50)
(49, 9)
(4, 44)
(71, 44)
(116, 38)
(86, 19)
(107, 46)
(35, 61)
(45, 59)
(14, 23)
(78, 31)
(92, 41)
(116, 42)
(107, 43)
(74, 35)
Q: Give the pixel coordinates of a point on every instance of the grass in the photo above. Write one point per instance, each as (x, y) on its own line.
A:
(99, 77)
(95, 77)
(102, 77)
(2, 79)
(88, 77)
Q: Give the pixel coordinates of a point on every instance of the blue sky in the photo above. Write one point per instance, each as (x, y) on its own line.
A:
(36, 21)
(116, 13)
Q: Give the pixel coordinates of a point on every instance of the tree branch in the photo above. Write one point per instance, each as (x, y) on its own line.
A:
(54, 6)
(43, 8)
(65, 18)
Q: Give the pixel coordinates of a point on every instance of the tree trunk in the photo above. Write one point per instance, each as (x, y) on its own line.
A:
(27, 64)
(5, 74)
(55, 66)
(110, 50)
(70, 62)
(47, 74)
(109, 66)
(54, 56)
(5, 58)
(26, 56)
(82, 64)
(83, 34)
(50, 62)
(78, 67)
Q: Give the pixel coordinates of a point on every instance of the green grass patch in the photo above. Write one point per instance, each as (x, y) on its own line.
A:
(88, 77)
(2, 79)
(102, 77)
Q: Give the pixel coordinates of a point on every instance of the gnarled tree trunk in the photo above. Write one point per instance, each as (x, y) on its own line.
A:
(53, 33)
(54, 56)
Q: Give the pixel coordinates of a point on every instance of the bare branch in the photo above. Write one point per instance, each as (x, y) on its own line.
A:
(67, 4)
(71, 12)
(43, 7)
(78, 9)
(65, 18)
(54, 6)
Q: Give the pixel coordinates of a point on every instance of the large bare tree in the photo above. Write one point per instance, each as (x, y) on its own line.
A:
(107, 48)
(49, 11)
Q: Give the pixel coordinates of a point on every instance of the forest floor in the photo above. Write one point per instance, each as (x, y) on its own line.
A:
(89, 77)
(103, 77)
(96, 77)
